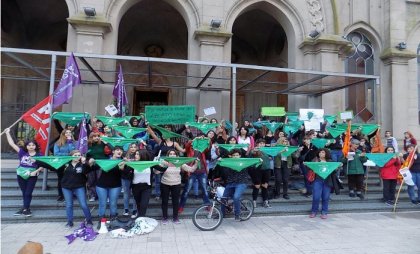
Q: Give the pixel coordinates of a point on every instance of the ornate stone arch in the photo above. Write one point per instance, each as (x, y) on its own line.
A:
(188, 10)
(72, 6)
(413, 38)
(367, 30)
(283, 12)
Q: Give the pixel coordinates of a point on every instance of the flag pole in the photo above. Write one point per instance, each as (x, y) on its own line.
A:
(398, 195)
(367, 178)
(4, 131)
(402, 182)
(51, 91)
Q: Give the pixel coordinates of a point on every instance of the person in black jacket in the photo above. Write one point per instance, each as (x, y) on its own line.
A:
(307, 153)
(74, 182)
(109, 186)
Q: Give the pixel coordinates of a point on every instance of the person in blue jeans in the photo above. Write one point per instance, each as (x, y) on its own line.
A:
(109, 186)
(415, 174)
(200, 176)
(236, 183)
(321, 188)
(74, 182)
(126, 183)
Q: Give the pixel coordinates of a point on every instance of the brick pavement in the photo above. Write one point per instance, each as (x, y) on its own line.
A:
(341, 233)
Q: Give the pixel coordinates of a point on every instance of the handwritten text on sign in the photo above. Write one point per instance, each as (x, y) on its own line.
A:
(170, 114)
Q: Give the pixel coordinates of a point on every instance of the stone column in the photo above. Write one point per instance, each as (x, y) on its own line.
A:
(213, 48)
(396, 62)
(326, 50)
(86, 35)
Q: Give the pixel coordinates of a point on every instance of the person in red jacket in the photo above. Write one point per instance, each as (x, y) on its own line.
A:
(389, 173)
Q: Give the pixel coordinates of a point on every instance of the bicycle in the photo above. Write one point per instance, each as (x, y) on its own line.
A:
(209, 217)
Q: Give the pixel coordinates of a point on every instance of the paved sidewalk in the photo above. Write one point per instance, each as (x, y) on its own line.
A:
(341, 233)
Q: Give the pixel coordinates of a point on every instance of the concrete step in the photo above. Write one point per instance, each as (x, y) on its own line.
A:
(155, 212)
(39, 204)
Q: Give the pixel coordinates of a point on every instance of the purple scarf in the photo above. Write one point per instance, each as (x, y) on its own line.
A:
(86, 233)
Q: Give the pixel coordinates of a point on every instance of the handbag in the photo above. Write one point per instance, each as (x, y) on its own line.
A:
(310, 175)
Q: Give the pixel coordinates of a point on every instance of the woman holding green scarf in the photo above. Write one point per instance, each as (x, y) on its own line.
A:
(27, 172)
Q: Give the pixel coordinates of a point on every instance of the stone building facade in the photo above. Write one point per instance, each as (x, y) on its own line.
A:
(356, 36)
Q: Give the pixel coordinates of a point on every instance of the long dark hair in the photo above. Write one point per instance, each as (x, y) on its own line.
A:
(27, 142)
(327, 154)
(144, 155)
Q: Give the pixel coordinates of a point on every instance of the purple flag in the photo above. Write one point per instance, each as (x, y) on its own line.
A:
(82, 145)
(70, 79)
(120, 94)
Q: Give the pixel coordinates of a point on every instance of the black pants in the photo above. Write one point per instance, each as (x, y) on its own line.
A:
(141, 194)
(282, 175)
(60, 174)
(356, 182)
(389, 189)
(175, 191)
(27, 187)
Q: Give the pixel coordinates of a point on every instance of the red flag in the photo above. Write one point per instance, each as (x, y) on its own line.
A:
(39, 118)
(346, 144)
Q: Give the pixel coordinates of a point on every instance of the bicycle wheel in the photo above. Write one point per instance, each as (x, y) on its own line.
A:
(247, 209)
(207, 218)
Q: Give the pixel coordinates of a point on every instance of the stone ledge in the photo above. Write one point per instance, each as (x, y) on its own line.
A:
(80, 20)
(325, 42)
(217, 36)
(394, 55)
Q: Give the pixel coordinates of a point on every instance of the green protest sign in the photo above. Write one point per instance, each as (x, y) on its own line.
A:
(170, 114)
(273, 111)
(70, 118)
(323, 169)
(140, 166)
(107, 165)
(54, 161)
(239, 164)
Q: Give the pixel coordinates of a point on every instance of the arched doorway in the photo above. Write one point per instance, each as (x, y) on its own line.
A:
(31, 25)
(153, 28)
(258, 39)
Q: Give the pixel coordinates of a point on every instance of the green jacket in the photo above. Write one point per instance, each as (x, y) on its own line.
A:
(355, 167)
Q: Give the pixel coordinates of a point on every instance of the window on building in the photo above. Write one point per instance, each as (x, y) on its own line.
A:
(361, 97)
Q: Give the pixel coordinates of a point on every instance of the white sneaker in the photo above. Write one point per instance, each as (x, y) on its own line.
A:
(266, 204)
(92, 199)
(255, 203)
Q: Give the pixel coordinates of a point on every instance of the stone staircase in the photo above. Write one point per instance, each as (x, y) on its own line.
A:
(45, 207)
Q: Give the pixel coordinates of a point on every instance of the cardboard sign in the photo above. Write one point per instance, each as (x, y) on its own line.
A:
(346, 115)
(273, 111)
(209, 111)
(111, 109)
(312, 125)
(308, 114)
(170, 114)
